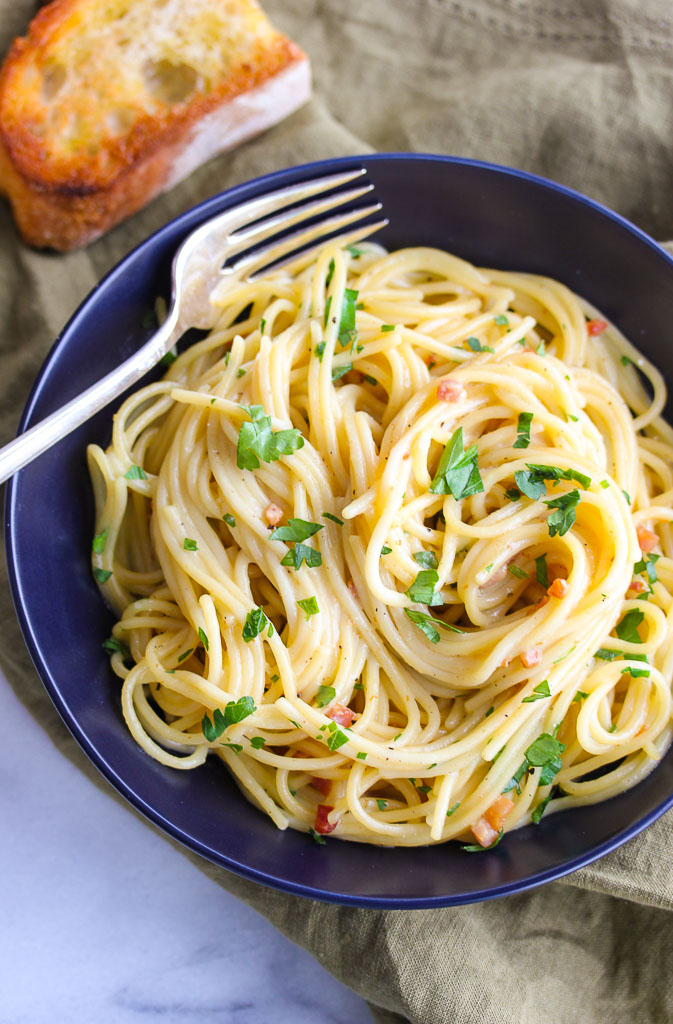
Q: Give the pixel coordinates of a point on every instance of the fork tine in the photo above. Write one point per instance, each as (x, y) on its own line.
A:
(290, 243)
(244, 238)
(271, 202)
(296, 261)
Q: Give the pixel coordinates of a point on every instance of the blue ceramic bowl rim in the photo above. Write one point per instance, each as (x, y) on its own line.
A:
(195, 215)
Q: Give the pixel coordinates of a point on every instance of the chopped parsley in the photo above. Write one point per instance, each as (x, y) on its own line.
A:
(513, 494)
(625, 361)
(490, 711)
(135, 473)
(262, 325)
(310, 606)
(235, 711)
(514, 570)
(501, 320)
(387, 327)
(539, 692)
(426, 558)
(563, 516)
(315, 836)
(452, 810)
(229, 519)
(330, 273)
(477, 847)
(102, 575)
(99, 541)
(477, 346)
(458, 472)
(299, 554)
(422, 590)
(258, 443)
(381, 804)
(647, 564)
(385, 550)
(203, 638)
(347, 332)
(627, 629)
(185, 655)
(189, 544)
(255, 623)
(579, 697)
(328, 306)
(241, 372)
(324, 695)
(426, 624)
(370, 380)
(523, 430)
(336, 738)
(296, 529)
(532, 480)
(114, 646)
(257, 742)
(354, 251)
(541, 573)
(340, 371)
(334, 519)
(361, 755)
(319, 350)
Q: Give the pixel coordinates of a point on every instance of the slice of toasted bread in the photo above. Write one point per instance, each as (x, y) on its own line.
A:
(105, 103)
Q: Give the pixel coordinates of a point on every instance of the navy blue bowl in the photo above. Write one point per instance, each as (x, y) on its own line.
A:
(489, 215)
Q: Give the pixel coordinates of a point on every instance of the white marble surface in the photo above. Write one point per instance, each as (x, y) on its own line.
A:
(102, 922)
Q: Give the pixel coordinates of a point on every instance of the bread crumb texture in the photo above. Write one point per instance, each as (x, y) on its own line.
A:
(95, 88)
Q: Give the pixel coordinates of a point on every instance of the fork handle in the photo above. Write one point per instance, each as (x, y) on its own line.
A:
(27, 446)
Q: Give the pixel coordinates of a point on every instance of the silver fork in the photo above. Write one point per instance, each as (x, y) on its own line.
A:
(201, 263)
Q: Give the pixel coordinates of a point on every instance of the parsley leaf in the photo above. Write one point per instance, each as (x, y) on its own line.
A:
(385, 550)
(258, 443)
(523, 430)
(422, 590)
(319, 350)
(235, 711)
(477, 346)
(302, 553)
(340, 371)
(579, 697)
(336, 739)
(347, 331)
(296, 529)
(334, 519)
(310, 606)
(458, 472)
(514, 570)
(102, 575)
(426, 558)
(426, 624)
(190, 545)
(627, 629)
(203, 638)
(317, 838)
(330, 273)
(328, 306)
(501, 320)
(541, 574)
(229, 519)
(477, 847)
(560, 521)
(513, 494)
(539, 692)
(114, 646)
(99, 541)
(544, 753)
(255, 623)
(135, 473)
(387, 327)
(324, 695)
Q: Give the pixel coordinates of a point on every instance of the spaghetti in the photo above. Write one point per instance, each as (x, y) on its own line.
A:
(394, 541)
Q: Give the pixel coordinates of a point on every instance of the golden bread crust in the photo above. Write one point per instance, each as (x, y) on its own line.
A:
(82, 147)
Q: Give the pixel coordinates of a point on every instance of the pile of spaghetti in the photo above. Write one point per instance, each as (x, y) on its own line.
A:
(394, 542)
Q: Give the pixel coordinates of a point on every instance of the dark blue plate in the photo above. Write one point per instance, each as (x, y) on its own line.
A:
(489, 215)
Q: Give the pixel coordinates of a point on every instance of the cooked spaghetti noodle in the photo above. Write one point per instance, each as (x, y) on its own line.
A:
(394, 541)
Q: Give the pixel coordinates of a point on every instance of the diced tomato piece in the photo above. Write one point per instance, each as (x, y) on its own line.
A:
(542, 601)
(596, 326)
(637, 586)
(341, 714)
(322, 785)
(273, 514)
(647, 539)
(450, 390)
(533, 656)
(559, 588)
(484, 833)
(322, 823)
(498, 811)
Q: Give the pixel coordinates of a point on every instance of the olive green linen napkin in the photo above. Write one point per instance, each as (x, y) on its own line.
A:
(581, 92)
